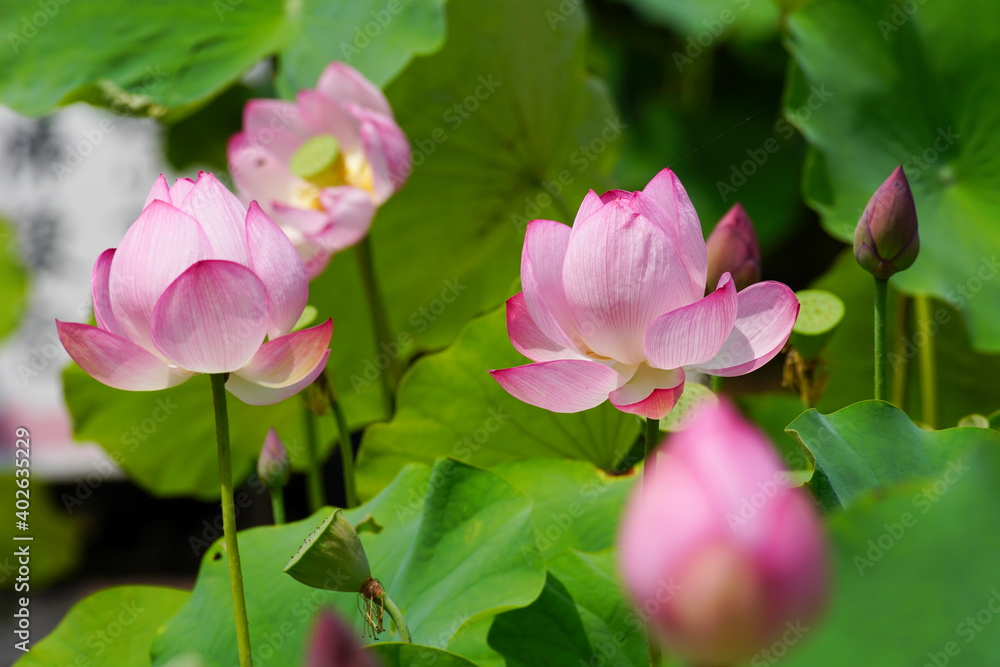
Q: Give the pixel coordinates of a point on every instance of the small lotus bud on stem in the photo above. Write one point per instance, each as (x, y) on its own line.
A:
(732, 246)
(886, 239)
(273, 466)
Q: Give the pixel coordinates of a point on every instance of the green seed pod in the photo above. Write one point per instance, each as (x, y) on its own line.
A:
(332, 557)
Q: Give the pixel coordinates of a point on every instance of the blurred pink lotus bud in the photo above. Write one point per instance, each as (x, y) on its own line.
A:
(733, 248)
(614, 307)
(321, 165)
(886, 239)
(717, 549)
(196, 286)
(272, 465)
(334, 644)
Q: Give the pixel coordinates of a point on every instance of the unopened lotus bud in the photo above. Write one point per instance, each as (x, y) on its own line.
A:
(718, 546)
(332, 557)
(886, 239)
(273, 467)
(732, 246)
(333, 644)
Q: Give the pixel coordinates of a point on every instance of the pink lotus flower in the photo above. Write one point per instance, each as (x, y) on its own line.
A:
(614, 307)
(195, 286)
(717, 549)
(321, 165)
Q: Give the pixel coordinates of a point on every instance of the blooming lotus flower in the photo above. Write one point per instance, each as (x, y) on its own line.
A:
(886, 239)
(195, 286)
(321, 165)
(732, 247)
(614, 307)
(717, 549)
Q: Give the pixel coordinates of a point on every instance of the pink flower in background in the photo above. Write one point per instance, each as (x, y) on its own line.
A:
(716, 546)
(194, 287)
(321, 166)
(614, 307)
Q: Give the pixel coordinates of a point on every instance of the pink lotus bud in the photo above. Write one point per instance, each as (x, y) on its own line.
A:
(886, 239)
(333, 644)
(272, 465)
(717, 549)
(732, 246)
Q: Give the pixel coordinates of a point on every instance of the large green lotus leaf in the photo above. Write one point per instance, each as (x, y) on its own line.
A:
(961, 385)
(872, 445)
(583, 614)
(887, 89)
(450, 406)
(398, 654)
(165, 440)
(12, 279)
(56, 544)
(574, 504)
(454, 533)
(504, 106)
(165, 58)
(708, 22)
(915, 577)
(110, 628)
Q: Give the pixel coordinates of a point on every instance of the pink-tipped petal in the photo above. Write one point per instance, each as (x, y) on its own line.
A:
(569, 385)
(695, 333)
(258, 173)
(99, 289)
(651, 392)
(666, 190)
(323, 115)
(542, 259)
(116, 361)
(161, 244)
(764, 321)
(213, 318)
(613, 195)
(618, 274)
(342, 83)
(528, 339)
(591, 202)
(386, 147)
(276, 262)
(179, 191)
(283, 366)
(252, 393)
(221, 215)
(160, 190)
(274, 126)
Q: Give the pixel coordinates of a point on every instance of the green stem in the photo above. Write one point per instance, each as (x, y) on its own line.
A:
(716, 384)
(928, 363)
(652, 439)
(900, 360)
(346, 450)
(380, 320)
(229, 517)
(314, 475)
(278, 505)
(397, 618)
(881, 358)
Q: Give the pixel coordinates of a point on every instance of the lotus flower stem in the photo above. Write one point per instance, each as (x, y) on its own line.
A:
(716, 384)
(278, 505)
(380, 319)
(649, 463)
(928, 369)
(314, 477)
(900, 360)
(881, 358)
(229, 518)
(346, 451)
(397, 618)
